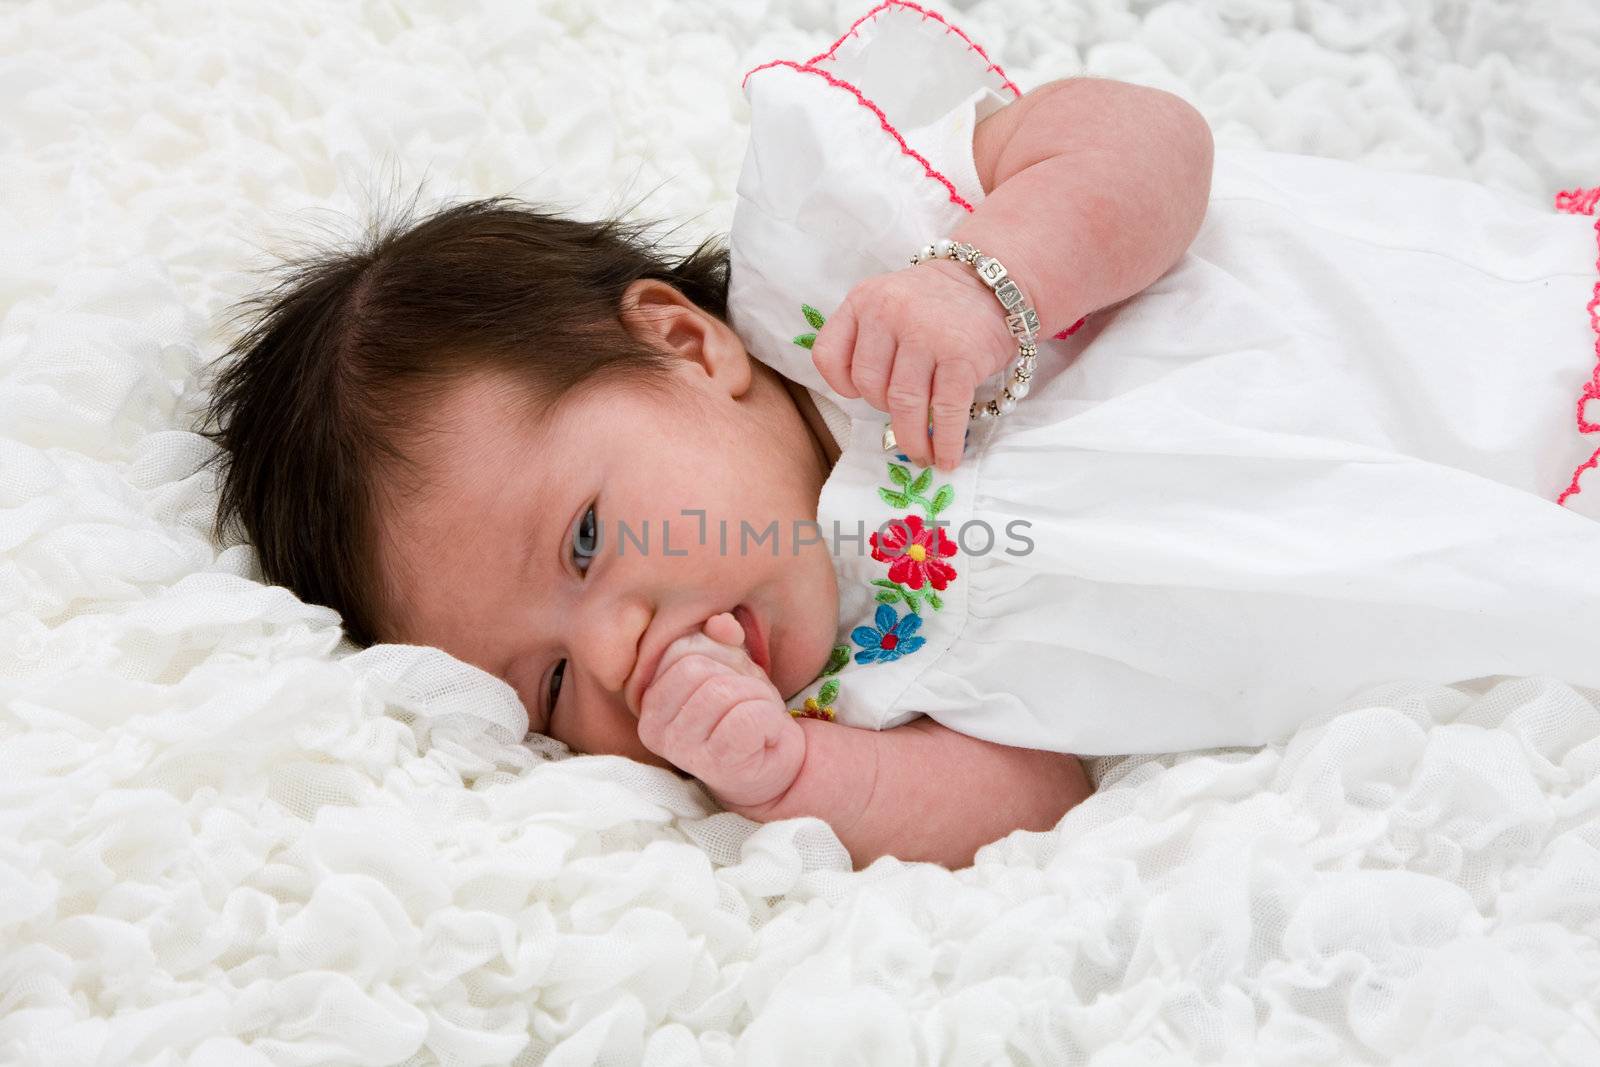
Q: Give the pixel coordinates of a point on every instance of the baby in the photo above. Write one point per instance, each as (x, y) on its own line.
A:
(535, 443)
(433, 434)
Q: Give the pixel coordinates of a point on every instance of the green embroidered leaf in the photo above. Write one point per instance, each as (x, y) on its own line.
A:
(887, 584)
(806, 340)
(942, 498)
(898, 474)
(829, 690)
(924, 480)
(837, 659)
(887, 597)
(813, 316)
(933, 598)
(893, 499)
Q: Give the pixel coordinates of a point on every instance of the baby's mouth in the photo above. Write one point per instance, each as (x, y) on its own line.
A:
(755, 640)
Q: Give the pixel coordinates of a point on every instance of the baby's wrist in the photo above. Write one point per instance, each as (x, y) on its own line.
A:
(835, 781)
(960, 272)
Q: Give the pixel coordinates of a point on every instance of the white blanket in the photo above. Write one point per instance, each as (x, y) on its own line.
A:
(226, 840)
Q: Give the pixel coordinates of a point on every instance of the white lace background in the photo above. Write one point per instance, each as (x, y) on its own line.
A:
(226, 841)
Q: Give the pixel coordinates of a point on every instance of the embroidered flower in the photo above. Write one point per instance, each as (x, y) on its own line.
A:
(918, 556)
(891, 638)
(912, 490)
(821, 705)
(914, 553)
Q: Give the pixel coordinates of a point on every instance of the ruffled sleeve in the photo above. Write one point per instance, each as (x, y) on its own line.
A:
(857, 157)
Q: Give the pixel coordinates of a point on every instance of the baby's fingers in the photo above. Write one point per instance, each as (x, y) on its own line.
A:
(715, 644)
(673, 685)
(724, 628)
(953, 386)
(677, 729)
(871, 361)
(759, 748)
(830, 352)
(907, 401)
(739, 740)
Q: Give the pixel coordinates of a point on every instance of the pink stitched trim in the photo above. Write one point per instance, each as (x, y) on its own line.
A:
(949, 27)
(883, 120)
(1583, 202)
(1578, 201)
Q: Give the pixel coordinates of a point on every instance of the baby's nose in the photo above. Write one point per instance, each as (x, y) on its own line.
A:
(606, 634)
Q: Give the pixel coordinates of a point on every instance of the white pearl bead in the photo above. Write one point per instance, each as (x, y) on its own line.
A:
(1019, 389)
(1006, 403)
(942, 246)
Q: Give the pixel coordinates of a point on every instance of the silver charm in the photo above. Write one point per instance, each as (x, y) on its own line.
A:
(1021, 320)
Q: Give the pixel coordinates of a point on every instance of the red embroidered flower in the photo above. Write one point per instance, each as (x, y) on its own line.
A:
(914, 553)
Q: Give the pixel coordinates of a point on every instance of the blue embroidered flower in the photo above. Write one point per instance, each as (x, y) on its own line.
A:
(893, 637)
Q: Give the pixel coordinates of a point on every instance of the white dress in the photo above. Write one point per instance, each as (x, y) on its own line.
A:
(1323, 452)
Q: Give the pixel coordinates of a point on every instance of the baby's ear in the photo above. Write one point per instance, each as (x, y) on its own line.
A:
(658, 314)
(650, 311)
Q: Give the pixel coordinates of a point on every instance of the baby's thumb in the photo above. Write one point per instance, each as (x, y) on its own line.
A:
(725, 629)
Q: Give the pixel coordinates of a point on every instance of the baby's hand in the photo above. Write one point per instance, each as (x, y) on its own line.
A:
(712, 712)
(915, 343)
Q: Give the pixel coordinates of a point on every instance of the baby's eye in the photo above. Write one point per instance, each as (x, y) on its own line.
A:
(555, 688)
(585, 544)
(586, 541)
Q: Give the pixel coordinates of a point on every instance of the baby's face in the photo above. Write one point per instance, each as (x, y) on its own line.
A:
(513, 557)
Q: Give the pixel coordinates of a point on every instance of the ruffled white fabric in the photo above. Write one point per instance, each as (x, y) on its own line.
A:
(1320, 454)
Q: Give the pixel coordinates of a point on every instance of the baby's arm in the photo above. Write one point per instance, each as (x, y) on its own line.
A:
(917, 791)
(923, 792)
(1093, 189)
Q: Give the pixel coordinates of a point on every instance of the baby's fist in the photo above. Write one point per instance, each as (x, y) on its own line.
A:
(712, 712)
(916, 343)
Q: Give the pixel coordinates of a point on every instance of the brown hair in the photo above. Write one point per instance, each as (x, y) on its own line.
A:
(311, 402)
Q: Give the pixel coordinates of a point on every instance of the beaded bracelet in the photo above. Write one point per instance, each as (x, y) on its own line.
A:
(1021, 320)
